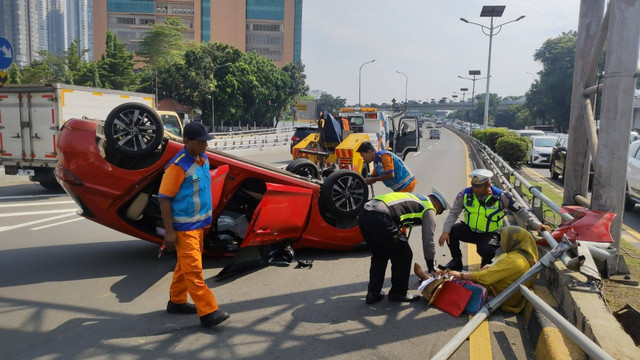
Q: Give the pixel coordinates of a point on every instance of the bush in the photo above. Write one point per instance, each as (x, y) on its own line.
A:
(490, 137)
(513, 150)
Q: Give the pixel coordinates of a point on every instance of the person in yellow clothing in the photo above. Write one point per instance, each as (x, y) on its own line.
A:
(520, 254)
(186, 206)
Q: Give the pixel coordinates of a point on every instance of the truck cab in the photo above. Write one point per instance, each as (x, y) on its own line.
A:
(171, 122)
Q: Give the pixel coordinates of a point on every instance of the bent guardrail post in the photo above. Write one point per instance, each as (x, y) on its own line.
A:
(587, 345)
(546, 261)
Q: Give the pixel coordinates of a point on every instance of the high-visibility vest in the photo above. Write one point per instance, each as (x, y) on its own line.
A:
(191, 208)
(402, 176)
(406, 208)
(483, 216)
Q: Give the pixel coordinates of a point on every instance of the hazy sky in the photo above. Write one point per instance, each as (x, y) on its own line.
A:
(426, 40)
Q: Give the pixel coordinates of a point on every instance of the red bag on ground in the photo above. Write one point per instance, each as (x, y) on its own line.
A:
(587, 225)
(451, 297)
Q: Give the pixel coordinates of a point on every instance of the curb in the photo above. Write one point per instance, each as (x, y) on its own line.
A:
(546, 339)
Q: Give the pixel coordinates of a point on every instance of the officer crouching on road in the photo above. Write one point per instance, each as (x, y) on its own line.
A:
(484, 206)
(380, 224)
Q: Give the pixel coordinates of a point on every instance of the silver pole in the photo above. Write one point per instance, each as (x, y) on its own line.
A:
(486, 96)
(592, 349)
(360, 81)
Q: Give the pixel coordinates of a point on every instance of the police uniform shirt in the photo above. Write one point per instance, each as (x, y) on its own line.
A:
(507, 202)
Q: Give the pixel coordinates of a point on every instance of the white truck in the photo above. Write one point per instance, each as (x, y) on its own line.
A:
(31, 117)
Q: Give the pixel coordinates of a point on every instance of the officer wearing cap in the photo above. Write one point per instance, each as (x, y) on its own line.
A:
(186, 207)
(380, 224)
(484, 207)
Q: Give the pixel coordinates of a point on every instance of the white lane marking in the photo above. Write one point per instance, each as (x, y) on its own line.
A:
(38, 212)
(36, 203)
(55, 224)
(30, 196)
(418, 153)
(5, 228)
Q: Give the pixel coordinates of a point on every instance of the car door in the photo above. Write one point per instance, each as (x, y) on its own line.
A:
(633, 170)
(282, 214)
(407, 136)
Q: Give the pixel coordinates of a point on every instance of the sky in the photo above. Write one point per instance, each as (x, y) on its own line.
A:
(425, 40)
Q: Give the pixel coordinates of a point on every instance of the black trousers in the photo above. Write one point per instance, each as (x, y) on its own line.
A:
(486, 243)
(386, 243)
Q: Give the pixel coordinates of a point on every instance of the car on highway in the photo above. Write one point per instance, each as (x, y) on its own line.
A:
(112, 169)
(558, 159)
(434, 134)
(541, 147)
(300, 133)
(632, 189)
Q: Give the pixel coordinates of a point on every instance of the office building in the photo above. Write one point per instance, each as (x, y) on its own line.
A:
(271, 28)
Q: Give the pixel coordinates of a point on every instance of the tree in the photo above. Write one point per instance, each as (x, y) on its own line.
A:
(477, 116)
(116, 65)
(549, 97)
(15, 77)
(164, 43)
(328, 103)
(296, 74)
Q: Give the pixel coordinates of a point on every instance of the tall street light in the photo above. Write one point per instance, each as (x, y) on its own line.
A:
(360, 81)
(473, 73)
(490, 11)
(213, 109)
(406, 86)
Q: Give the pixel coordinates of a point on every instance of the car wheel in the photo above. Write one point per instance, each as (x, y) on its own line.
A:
(628, 203)
(344, 193)
(133, 129)
(304, 168)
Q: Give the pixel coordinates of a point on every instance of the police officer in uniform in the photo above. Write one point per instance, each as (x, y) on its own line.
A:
(483, 206)
(380, 224)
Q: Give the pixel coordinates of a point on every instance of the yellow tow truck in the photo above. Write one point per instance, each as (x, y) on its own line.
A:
(334, 146)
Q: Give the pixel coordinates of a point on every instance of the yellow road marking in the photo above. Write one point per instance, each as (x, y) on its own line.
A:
(479, 340)
(635, 236)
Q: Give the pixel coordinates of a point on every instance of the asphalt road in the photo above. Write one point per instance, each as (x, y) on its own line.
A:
(73, 289)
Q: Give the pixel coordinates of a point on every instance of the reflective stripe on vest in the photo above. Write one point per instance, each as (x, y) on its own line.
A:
(406, 208)
(486, 217)
(402, 176)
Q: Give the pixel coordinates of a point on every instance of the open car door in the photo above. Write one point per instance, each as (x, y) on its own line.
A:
(283, 213)
(407, 136)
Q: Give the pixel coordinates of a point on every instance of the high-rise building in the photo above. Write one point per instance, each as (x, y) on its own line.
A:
(79, 27)
(272, 28)
(20, 20)
(55, 22)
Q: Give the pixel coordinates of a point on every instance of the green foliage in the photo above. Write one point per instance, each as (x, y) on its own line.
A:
(116, 66)
(515, 117)
(164, 44)
(15, 77)
(477, 116)
(296, 74)
(490, 137)
(513, 150)
(328, 103)
(549, 98)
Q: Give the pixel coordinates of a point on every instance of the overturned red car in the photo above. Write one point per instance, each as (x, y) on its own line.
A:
(112, 169)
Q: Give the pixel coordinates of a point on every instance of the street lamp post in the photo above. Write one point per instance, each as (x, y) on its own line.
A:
(213, 109)
(406, 86)
(360, 81)
(473, 73)
(490, 11)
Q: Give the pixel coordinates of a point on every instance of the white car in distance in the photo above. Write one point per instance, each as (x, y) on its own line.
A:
(541, 147)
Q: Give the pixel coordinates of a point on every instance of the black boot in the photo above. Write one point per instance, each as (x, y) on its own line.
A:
(454, 264)
(373, 298)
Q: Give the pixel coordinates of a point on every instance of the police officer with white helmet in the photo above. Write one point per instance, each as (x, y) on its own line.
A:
(483, 206)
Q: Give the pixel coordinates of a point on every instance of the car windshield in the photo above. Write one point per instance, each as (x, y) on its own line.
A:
(171, 124)
(544, 142)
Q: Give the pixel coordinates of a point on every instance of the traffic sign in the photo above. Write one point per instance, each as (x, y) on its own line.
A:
(4, 78)
(6, 53)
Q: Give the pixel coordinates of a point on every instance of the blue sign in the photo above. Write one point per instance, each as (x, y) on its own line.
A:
(6, 54)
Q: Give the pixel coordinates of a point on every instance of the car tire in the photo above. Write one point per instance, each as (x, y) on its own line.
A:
(304, 168)
(628, 203)
(344, 193)
(133, 129)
